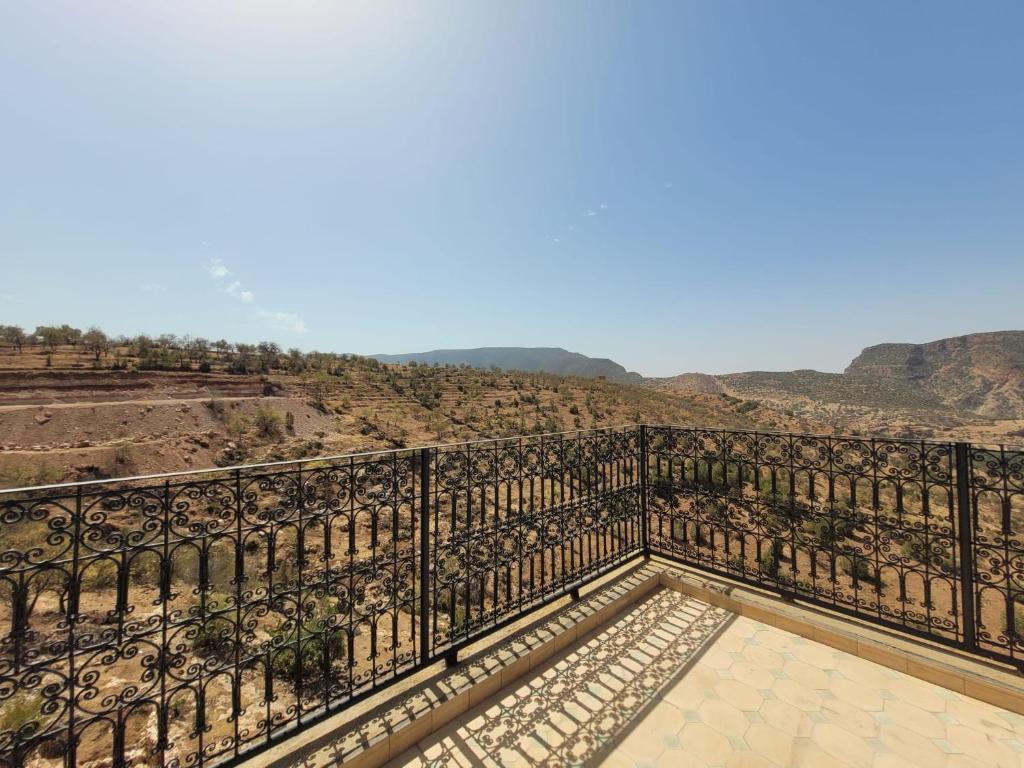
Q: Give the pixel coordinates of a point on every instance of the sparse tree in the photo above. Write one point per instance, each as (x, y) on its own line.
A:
(51, 336)
(13, 335)
(268, 352)
(95, 342)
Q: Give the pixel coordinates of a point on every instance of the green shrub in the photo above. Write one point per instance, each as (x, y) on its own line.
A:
(932, 552)
(268, 424)
(124, 455)
(216, 407)
(100, 575)
(215, 638)
(857, 568)
(20, 711)
(306, 668)
(769, 562)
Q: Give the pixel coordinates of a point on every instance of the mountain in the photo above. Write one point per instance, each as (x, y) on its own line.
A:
(531, 359)
(980, 374)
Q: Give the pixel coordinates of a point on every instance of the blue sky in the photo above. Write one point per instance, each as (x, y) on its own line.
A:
(714, 186)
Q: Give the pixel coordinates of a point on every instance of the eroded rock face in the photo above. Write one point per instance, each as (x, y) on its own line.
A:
(980, 372)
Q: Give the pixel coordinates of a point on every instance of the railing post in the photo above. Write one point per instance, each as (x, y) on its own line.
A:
(965, 530)
(645, 517)
(424, 555)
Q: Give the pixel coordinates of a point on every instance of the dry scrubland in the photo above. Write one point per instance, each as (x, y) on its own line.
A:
(66, 415)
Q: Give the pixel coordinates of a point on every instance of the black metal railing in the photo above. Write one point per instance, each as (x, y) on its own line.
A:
(921, 536)
(194, 618)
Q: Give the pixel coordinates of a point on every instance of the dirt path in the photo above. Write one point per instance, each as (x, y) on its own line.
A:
(107, 403)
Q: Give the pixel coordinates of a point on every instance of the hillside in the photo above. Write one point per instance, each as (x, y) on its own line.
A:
(528, 359)
(65, 415)
(982, 372)
(968, 386)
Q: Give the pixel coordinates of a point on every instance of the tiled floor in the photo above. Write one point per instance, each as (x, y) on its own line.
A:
(675, 682)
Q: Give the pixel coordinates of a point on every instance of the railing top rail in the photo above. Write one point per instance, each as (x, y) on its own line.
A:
(270, 465)
(861, 438)
(298, 462)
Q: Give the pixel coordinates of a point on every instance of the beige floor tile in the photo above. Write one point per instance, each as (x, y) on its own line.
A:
(976, 744)
(786, 717)
(749, 760)
(686, 695)
(852, 718)
(911, 746)
(740, 695)
(756, 676)
(915, 718)
(917, 692)
(808, 755)
(761, 655)
(865, 673)
(817, 655)
(723, 717)
(766, 740)
(705, 743)
(982, 717)
(616, 759)
(864, 697)
(639, 746)
(805, 674)
(791, 692)
(843, 745)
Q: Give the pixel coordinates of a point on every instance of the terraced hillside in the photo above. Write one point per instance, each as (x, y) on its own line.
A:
(78, 419)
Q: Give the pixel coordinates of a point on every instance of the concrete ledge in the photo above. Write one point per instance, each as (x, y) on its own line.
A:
(991, 682)
(421, 706)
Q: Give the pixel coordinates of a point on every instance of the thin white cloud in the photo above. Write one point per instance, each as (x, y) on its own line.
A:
(217, 269)
(285, 321)
(235, 289)
(603, 207)
(590, 212)
(556, 240)
(668, 185)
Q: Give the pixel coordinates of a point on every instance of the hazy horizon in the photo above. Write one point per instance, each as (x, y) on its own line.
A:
(678, 187)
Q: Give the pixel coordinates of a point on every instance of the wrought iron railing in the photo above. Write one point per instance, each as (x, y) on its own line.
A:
(925, 537)
(193, 618)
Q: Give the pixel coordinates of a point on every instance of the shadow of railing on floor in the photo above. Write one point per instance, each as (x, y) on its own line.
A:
(585, 702)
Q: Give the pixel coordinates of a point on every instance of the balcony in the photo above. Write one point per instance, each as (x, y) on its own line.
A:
(644, 595)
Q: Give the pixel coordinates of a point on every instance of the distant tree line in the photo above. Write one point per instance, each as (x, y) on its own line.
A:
(170, 352)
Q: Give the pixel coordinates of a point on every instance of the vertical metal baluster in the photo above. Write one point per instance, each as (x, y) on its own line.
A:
(165, 572)
(72, 619)
(645, 512)
(426, 651)
(519, 522)
(236, 661)
(964, 476)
